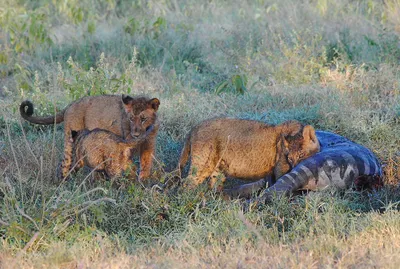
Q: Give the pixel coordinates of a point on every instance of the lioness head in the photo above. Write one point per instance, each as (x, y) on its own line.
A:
(142, 114)
(301, 146)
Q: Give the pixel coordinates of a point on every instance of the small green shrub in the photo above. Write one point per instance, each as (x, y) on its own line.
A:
(236, 84)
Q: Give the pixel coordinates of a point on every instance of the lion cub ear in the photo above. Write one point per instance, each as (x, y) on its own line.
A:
(74, 135)
(127, 101)
(284, 145)
(127, 153)
(309, 134)
(154, 104)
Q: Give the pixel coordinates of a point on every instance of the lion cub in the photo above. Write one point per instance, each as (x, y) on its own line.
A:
(125, 116)
(246, 149)
(103, 150)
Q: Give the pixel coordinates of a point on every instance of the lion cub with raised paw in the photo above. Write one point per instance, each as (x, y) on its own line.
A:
(245, 149)
(104, 151)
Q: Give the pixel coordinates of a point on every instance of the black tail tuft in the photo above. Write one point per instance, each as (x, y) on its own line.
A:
(26, 108)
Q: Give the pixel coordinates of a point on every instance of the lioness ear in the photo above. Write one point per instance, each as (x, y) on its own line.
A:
(127, 101)
(154, 103)
(309, 133)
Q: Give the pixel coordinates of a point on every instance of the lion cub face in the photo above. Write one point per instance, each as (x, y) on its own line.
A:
(300, 146)
(141, 114)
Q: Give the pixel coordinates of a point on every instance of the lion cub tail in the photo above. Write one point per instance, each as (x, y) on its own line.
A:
(185, 152)
(26, 111)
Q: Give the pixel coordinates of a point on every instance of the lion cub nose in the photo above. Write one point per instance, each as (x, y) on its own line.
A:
(136, 134)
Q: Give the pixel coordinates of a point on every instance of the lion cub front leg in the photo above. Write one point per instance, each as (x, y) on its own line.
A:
(196, 177)
(128, 167)
(215, 177)
(112, 166)
(203, 164)
(146, 158)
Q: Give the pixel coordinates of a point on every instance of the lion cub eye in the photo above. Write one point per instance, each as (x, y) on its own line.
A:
(143, 119)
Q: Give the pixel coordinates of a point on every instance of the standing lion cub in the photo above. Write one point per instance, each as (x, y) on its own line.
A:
(125, 116)
(246, 149)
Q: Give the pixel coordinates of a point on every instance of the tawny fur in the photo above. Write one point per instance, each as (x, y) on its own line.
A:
(103, 150)
(245, 149)
(122, 115)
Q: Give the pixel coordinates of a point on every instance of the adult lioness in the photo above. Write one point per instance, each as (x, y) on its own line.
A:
(128, 117)
(246, 149)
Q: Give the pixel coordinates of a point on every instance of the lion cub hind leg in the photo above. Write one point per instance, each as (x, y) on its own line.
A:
(66, 163)
(71, 137)
(203, 164)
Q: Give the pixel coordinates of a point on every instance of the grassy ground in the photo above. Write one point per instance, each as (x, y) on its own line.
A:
(332, 64)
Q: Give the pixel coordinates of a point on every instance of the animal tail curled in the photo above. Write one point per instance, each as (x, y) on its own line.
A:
(26, 110)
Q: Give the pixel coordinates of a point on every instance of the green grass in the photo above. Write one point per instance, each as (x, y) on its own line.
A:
(332, 64)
